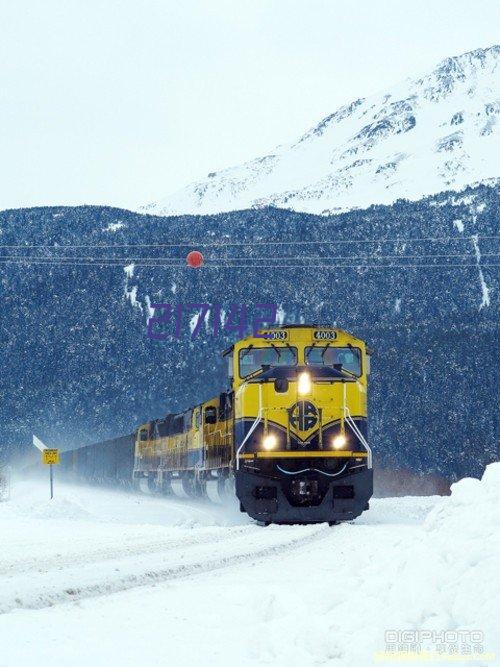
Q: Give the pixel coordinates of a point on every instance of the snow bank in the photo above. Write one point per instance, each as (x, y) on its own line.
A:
(465, 529)
(471, 512)
(57, 508)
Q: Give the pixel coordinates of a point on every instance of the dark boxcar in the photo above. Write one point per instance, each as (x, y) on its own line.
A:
(107, 462)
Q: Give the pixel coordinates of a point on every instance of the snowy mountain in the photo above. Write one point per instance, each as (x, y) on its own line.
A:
(436, 133)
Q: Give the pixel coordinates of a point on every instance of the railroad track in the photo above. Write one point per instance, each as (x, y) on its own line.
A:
(37, 583)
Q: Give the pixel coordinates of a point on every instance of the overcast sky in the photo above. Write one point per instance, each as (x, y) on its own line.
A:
(123, 101)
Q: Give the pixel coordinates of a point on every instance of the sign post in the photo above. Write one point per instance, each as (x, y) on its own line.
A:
(50, 457)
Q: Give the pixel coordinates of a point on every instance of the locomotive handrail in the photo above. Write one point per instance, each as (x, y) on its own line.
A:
(358, 433)
(251, 430)
(352, 424)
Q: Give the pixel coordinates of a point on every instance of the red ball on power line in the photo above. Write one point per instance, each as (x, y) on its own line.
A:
(194, 259)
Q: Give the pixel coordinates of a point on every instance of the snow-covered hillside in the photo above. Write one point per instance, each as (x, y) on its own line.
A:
(97, 577)
(424, 136)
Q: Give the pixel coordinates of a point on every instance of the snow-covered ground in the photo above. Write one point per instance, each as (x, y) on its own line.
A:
(98, 577)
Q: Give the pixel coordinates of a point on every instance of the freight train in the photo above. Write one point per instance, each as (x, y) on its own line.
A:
(288, 436)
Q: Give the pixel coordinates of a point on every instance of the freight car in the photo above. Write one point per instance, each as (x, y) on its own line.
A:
(288, 436)
(108, 462)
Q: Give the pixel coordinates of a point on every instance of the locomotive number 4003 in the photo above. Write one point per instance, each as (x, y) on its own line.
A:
(325, 335)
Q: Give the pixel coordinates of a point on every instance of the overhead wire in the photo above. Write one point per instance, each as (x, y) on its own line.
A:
(370, 260)
(249, 258)
(258, 242)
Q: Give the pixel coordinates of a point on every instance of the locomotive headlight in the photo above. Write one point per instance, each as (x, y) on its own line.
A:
(304, 384)
(339, 441)
(269, 441)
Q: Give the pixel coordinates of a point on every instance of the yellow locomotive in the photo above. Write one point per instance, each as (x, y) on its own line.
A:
(290, 432)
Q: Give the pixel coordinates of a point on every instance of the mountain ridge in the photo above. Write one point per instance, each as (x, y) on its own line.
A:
(424, 136)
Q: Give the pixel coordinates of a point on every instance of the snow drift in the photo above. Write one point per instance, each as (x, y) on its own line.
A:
(138, 583)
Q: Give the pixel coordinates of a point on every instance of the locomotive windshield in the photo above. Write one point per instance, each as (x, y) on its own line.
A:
(252, 358)
(328, 355)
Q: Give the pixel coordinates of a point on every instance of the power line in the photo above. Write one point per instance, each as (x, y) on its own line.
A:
(181, 260)
(197, 243)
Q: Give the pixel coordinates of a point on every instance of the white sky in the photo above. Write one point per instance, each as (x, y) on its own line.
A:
(123, 101)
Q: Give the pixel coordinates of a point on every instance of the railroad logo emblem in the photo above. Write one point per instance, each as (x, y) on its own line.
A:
(303, 416)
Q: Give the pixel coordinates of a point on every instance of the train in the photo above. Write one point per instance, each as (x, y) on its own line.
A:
(288, 436)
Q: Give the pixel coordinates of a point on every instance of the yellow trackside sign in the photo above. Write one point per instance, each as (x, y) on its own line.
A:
(50, 456)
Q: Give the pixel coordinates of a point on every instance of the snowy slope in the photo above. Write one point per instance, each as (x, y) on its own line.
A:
(106, 578)
(425, 136)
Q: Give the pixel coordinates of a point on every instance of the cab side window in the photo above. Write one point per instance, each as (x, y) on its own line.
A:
(210, 414)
